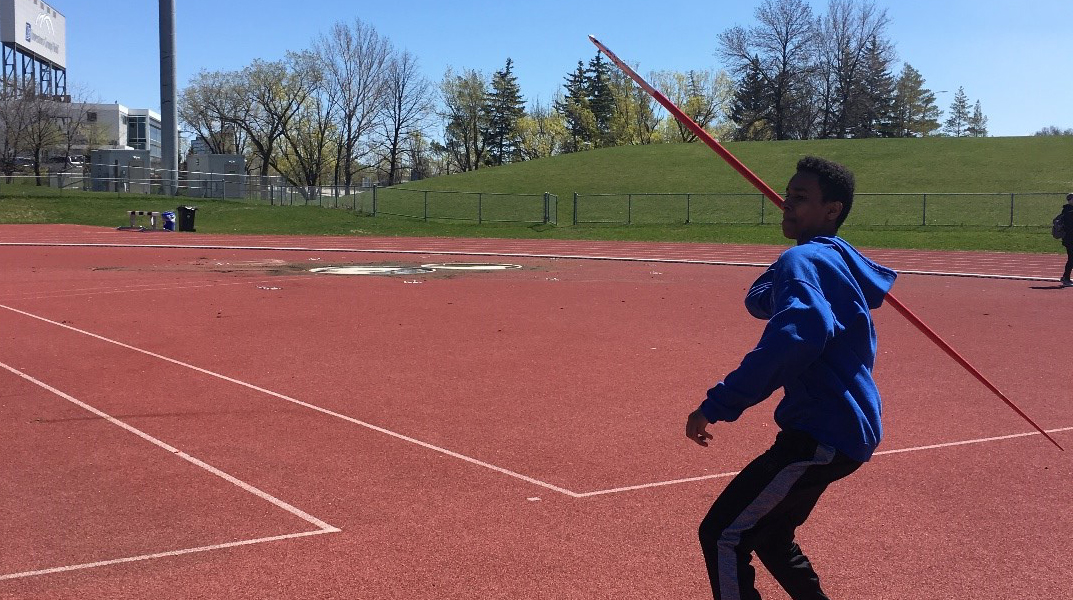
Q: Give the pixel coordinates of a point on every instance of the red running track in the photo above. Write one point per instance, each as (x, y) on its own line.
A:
(220, 423)
(1044, 267)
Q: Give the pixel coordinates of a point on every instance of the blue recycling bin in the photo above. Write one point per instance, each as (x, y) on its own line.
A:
(169, 220)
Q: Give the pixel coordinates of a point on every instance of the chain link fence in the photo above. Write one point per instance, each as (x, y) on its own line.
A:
(1017, 209)
(1031, 209)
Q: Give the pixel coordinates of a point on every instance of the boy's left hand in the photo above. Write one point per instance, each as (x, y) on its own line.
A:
(697, 428)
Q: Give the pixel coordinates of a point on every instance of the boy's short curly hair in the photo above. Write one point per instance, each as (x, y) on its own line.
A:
(836, 182)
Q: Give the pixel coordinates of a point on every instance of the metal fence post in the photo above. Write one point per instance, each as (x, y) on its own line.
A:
(575, 208)
(374, 200)
(426, 205)
(546, 215)
(763, 203)
(1011, 210)
(687, 209)
(480, 207)
(629, 209)
(924, 211)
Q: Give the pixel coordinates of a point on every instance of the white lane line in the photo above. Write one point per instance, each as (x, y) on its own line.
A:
(571, 256)
(314, 407)
(967, 442)
(116, 561)
(642, 486)
(322, 527)
(156, 442)
(56, 294)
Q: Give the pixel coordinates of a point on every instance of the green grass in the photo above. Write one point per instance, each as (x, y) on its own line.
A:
(901, 169)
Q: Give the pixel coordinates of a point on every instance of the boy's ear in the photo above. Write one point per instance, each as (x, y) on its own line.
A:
(834, 209)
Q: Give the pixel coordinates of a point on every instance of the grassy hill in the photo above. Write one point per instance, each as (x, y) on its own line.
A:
(910, 167)
(1012, 164)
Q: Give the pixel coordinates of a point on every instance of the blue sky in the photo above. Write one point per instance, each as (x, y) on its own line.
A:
(1016, 58)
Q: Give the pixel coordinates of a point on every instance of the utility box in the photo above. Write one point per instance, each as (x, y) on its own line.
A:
(216, 176)
(113, 170)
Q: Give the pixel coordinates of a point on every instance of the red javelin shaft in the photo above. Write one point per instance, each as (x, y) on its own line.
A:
(777, 199)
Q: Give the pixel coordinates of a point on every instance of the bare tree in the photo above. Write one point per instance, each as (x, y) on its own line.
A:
(779, 53)
(408, 103)
(76, 130)
(43, 131)
(355, 60)
(16, 115)
(851, 39)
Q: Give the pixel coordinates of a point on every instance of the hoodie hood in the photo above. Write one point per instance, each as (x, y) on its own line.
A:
(874, 280)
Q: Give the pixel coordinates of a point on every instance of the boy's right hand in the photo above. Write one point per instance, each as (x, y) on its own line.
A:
(697, 428)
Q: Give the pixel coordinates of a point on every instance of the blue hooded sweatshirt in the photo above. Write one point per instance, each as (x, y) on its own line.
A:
(819, 345)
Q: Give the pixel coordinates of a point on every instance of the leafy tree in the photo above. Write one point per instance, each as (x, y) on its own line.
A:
(704, 96)
(957, 122)
(265, 98)
(505, 107)
(306, 158)
(543, 132)
(977, 123)
(634, 119)
(463, 102)
(914, 112)
(210, 108)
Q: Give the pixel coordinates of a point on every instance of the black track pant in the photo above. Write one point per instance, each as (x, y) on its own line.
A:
(759, 511)
(1069, 261)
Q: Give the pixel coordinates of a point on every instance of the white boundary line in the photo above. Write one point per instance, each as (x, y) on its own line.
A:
(314, 407)
(881, 453)
(714, 262)
(480, 463)
(322, 527)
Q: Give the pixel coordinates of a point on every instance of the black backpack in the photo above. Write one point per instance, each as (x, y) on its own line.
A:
(1058, 226)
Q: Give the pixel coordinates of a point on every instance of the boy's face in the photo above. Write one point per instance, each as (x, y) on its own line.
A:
(804, 213)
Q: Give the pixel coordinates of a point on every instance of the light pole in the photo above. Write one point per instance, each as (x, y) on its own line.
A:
(169, 116)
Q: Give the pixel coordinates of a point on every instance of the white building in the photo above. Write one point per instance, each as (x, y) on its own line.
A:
(122, 128)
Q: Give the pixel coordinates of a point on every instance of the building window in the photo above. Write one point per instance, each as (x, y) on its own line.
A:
(91, 116)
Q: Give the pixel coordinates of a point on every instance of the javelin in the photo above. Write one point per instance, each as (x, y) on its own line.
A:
(777, 199)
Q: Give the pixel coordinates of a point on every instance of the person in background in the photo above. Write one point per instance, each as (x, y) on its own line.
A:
(1067, 239)
(819, 345)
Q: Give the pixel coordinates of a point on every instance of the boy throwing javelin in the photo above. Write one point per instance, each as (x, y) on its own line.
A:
(819, 345)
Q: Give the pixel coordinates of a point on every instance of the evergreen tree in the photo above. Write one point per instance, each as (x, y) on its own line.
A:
(977, 126)
(504, 107)
(750, 110)
(874, 116)
(957, 123)
(576, 112)
(601, 98)
(914, 112)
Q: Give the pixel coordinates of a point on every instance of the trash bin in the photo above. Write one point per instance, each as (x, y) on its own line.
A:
(169, 220)
(186, 217)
